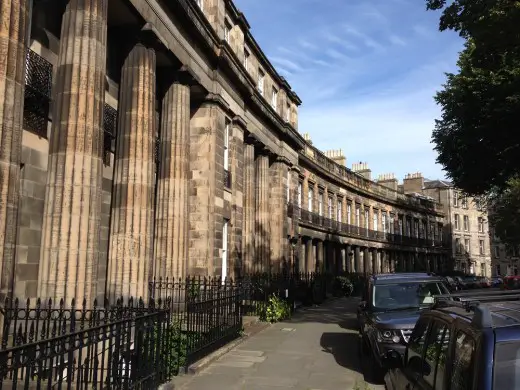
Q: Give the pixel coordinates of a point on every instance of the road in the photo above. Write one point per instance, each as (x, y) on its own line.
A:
(316, 350)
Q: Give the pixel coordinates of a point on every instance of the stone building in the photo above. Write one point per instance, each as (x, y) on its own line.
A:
(505, 258)
(145, 138)
(467, 225)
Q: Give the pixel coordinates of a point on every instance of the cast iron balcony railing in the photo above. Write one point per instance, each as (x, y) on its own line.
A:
(316, 220)
(37, 96)
(227, 178)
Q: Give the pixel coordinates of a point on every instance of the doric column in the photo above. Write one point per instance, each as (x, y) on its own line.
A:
(248, 233)
(171, 233)
(132, 221)
(278, 229)
(14, 22)
(358, 264)
(367, 261)
(262, 235)
(309, 256)
(376, 268)
(320, 266)
(72, 213)
(341, 254)
(349, 257)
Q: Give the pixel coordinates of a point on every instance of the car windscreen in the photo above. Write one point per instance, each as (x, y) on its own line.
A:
(393, 296)
(506, 371)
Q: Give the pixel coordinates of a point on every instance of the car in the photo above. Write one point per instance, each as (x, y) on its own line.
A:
(463, 342)
(451, 283)
(496, 281)
(390, 307)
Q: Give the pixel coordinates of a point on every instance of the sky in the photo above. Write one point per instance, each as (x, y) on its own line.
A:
(366, 71)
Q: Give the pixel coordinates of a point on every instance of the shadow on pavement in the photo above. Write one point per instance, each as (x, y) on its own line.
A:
(344, 347)
(337, 311)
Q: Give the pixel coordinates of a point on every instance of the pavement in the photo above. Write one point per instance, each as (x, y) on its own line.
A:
(316, 350)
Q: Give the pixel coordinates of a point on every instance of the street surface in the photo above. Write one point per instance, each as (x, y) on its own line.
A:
(316, 350)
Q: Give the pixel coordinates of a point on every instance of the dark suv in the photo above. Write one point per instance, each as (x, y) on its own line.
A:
(469, 344)
(390, 307)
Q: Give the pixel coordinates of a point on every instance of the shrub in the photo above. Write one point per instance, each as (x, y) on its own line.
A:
(275, 310)
(343, 286)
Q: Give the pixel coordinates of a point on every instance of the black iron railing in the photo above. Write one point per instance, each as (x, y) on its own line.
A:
(120, 346)
(227, 178)
(314, 219)
(37, 97)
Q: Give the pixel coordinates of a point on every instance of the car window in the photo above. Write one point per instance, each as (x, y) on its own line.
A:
(462, 375)
(443, 355)
(417, 339)
(406, 294)
(506, 373)
(435, 354)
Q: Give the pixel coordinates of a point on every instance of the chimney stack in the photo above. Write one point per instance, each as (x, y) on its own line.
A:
(413, 183)
(362, 169)
(388, 180)
(337, 156)
(307, 137)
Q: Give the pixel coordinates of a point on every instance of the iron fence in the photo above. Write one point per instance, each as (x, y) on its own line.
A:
(48, 346)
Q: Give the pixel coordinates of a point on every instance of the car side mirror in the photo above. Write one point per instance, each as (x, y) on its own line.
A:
(393, 359)
(362, 306)
(417, 365)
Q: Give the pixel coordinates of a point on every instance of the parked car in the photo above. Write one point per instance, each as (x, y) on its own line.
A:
(460, 283)
(483, 282)
(451, 283)
(469, 344)
(470, 281)
(496, 281)
(511, 282)
(390, 307)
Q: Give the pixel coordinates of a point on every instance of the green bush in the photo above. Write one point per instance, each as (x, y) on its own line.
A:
(343, 286)
(275, 310)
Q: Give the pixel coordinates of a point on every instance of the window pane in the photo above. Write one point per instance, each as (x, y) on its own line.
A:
(462, 374)
(416, 343)
(433, 349)
(507, 366)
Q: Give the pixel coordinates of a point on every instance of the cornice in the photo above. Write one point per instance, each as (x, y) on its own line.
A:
(335, 179)
(240, 122)
(217, 100)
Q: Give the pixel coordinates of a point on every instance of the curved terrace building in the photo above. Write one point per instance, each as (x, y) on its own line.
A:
(145, 138)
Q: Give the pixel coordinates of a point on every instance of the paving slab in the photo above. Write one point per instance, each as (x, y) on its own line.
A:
(316, 350)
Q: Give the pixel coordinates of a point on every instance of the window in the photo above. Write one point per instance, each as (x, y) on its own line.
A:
(481, 225)
(300, 194)
(310, 198)
(274, 98)
(458, 248)
(375, 218)
(466, 245)
(435, 354)
(224, 249)
(226, 146)
(261, 77)
(466, 223)
(349, 210)
(416, 228)
(288, 113)
(464, 202)
(227, 30)
(339, 209)
(455, 198)
(456, 219)
(288, 186)
(496, 251)
(246, 59)
(392, 224)
(417, 340)
(366, 218)
(320, 204)
(329, 207)
(383, 222)
(497, 270)
(505, 372)
(358, 215)
(462, 373)
(478, 204)
(481, 246)
(400, 222)
(483, 269)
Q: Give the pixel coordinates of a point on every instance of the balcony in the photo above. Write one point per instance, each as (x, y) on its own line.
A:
(319, 221)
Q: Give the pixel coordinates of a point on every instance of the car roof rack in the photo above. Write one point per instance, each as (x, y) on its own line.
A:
(471, 303)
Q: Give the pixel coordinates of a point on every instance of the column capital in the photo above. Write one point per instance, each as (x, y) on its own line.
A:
(213, 98)
(282, 159)
(239, 122)
(151, 37)
(264, 150)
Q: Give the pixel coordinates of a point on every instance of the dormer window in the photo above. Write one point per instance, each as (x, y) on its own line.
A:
(261, 77)
(274, 98)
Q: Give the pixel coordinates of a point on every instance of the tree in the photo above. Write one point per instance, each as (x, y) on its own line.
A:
(504, 213)
(478, 137)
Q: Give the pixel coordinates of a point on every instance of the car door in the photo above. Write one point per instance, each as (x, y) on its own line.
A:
(462, 367)
(403, 378)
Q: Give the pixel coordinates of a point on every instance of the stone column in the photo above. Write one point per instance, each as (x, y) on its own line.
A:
(320, 266)
(367, 261)
(278, 231)
(384, 262)
(72, 213)
(248, 235)
(171, 232)
(349, 259)
(357, 260)
(309, 256)
(14, 23)
(341, 258)
(376, 268)
(132, 221)
(262, 234)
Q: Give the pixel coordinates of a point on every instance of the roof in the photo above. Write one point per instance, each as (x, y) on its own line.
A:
(404, 277)
(429, 184)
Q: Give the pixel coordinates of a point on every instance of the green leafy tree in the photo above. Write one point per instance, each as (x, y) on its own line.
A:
(477, 137)
(505, 213)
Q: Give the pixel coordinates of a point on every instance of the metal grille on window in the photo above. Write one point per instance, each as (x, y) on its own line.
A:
(37, 97)
(109, 132)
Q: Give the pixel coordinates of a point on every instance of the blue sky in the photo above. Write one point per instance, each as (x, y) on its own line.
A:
(366, 71)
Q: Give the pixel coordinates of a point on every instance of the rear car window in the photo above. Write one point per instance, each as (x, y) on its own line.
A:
(506, 372)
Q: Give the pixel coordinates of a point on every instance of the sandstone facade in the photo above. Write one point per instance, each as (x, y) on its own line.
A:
(168, 146)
